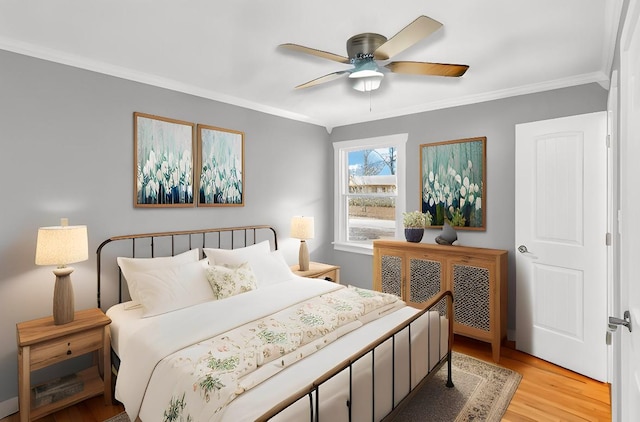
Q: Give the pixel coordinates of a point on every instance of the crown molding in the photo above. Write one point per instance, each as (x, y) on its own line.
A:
(145, 78)
(595, 77)
(154, 80)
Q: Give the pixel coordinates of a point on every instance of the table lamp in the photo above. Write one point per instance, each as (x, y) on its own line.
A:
(302, 228)
(62, 245)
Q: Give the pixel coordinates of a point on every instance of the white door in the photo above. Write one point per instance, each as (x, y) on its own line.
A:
(628, 399)
(561, 278)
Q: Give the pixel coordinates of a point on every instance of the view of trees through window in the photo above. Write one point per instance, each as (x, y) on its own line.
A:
(372, 194)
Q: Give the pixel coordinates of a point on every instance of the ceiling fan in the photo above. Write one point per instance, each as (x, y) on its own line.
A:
(367, 49)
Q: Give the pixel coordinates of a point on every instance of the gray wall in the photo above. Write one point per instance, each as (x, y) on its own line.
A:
(67, 151)
(494, 119)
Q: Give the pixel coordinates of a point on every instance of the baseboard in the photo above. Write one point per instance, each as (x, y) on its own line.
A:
(8, 407)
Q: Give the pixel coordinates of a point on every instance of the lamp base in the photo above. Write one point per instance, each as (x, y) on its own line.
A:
(63, 301)
(303, 256)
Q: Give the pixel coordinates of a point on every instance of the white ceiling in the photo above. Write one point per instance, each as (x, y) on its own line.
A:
(228, 50)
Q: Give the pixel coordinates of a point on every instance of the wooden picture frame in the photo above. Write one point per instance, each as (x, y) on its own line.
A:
(163, 161)
(453, 183)
(220, 167)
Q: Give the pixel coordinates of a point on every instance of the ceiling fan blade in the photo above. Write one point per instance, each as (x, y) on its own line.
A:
(424, 68)
(411, 34)
(322, 79)
(318, 53)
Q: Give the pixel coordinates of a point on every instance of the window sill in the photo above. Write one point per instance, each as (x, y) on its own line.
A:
(364, 249)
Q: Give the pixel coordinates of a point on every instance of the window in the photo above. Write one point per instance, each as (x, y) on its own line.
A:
(369, 191)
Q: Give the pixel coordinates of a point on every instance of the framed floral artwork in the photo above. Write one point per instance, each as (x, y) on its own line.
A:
(163, 160)
(220, 167)
(453, 183)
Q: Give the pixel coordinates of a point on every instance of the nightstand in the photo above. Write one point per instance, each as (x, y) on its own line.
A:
(319, 270)
(41, 343)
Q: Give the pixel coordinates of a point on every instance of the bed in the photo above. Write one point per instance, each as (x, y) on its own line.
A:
(212, 325)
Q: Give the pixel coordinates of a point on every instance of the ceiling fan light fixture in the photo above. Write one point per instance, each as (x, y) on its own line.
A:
(366, 80)
(367, 49)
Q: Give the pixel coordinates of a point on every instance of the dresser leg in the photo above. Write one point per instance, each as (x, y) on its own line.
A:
(495, 351)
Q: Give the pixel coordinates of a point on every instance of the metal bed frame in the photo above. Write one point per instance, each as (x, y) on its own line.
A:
(312, 390)
(235, 237)
(248, 237)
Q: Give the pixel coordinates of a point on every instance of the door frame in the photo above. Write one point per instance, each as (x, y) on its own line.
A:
(631, 20)
(614, 368)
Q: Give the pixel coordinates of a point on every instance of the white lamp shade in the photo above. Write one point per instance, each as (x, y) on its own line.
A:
(62, 245)
(302, 228)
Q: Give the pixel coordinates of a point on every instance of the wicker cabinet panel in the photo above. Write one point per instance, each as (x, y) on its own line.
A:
(425, 279)
(391, 275)
(476, 276)
(472, 286)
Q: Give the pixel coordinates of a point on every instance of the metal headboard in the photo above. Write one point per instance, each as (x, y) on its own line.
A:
(230, 237)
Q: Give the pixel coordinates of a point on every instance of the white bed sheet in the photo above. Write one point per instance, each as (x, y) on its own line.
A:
(127, 324)
(143, 344)
(123, 322)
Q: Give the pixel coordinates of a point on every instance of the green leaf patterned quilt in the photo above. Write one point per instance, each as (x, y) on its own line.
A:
(197, 382)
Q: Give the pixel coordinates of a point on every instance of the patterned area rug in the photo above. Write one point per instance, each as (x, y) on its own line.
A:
(122, 417)
(482, 392)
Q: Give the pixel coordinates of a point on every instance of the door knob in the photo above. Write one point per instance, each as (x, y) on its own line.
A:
(522, 249)
(614, 322)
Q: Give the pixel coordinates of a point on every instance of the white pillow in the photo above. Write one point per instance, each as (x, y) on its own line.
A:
(176, 287)
(270, 269)
(237, 256)
(131, 266)
(229, 280)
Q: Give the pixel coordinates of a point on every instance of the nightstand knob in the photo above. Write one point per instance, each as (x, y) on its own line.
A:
(69, 350)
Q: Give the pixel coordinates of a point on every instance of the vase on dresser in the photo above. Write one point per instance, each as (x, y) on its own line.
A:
(413, 234)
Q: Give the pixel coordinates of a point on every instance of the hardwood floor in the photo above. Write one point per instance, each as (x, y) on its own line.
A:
(90, 410)
(546, 392)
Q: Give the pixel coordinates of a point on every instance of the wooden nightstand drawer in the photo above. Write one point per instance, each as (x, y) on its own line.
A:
(319, 270)
(56, 350)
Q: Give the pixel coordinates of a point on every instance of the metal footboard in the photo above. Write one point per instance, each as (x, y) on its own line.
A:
(312, 391)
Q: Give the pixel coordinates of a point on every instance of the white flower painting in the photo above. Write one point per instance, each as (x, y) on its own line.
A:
(453, 182)
(221, 153)
(164, 162)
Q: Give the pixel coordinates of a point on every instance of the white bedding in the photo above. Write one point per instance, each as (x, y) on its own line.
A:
(142, 342)
(124, 321)
(429, 344)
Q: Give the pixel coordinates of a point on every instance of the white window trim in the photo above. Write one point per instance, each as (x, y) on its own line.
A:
(340, 149)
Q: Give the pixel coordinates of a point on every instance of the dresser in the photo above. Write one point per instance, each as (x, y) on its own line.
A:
(477, 277)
